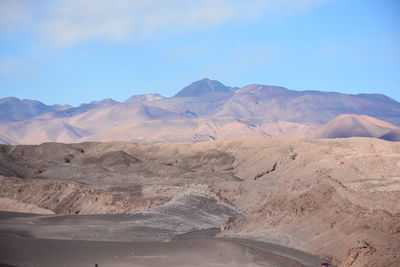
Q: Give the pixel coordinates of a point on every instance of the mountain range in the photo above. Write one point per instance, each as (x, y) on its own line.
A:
(204, 110)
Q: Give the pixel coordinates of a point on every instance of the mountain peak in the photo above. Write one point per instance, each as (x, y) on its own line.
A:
(9, 99)
(15, 109)
(144, 98)
(202, 87)
(270, 90)
(104, 102)
(355, 125)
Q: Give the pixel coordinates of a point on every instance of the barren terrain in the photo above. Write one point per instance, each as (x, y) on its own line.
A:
(336, 199)
(202, 111)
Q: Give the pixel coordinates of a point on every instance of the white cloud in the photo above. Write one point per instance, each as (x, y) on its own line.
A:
(66, 22)
(76, 20)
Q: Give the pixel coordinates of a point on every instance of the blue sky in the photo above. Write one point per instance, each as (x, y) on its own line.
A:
(75, 51)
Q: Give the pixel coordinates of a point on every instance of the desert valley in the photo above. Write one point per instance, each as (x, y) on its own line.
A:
(214, 176)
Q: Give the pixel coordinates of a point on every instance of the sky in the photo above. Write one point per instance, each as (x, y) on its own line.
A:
(75, 51)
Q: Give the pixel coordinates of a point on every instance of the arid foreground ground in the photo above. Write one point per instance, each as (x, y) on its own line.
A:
(124, 204)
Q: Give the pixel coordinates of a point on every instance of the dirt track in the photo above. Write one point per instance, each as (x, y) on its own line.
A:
(82, 240)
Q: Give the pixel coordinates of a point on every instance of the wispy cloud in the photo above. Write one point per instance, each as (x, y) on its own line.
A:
(13, 14)
(67, 22)
(117, 20)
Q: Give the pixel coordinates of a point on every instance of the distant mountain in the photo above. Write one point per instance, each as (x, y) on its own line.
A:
(40, 131)
(144, 98)
(278, 103)
(392, 135)
(192, 107)
(130, 111)
(68, 111)
(203, 87)
(186, 130)
(204, 110)
(14, 109)
(58, 107)
(350, 125)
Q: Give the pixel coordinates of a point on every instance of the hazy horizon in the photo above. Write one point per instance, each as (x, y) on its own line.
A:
(73, 52)
(173, 94)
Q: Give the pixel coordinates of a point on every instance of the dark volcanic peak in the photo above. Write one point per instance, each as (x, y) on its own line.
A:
(202, 87)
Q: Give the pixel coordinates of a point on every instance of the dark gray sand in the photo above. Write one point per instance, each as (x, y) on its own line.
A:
(188, 252)
(126, 240)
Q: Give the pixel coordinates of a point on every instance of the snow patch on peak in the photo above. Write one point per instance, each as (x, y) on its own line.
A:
(152, 97)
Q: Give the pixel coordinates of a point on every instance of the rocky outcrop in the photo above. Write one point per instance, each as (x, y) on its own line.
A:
(325, 219)
(68, 198)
